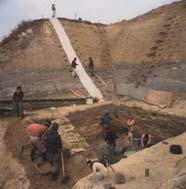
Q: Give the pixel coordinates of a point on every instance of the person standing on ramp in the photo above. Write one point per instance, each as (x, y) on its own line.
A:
(73, 67)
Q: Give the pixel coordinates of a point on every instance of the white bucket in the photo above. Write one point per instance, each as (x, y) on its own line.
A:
(89, 101)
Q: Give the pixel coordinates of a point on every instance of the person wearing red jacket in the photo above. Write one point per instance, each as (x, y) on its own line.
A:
(37, 134)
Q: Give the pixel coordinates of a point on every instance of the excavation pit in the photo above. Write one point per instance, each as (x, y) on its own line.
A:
(82, 122)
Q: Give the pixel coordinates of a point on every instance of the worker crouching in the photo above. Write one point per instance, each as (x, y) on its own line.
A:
(37, 133)
(100, 169)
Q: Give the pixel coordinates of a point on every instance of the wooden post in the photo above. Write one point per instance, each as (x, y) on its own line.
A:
(147, 172)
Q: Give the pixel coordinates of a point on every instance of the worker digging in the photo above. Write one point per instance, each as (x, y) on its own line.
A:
(93, 104)
(47, 147)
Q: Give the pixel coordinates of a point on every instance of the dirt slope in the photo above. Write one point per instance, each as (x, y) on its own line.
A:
(12, 175)
(37, 61)
(89, 40)
(158, 36)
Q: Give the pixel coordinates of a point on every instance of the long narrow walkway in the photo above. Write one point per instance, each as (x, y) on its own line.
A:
(80, 71)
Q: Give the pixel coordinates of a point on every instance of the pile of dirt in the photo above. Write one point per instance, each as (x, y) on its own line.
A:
(158, 36)
(179, 180)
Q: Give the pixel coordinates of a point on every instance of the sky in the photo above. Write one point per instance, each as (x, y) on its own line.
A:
(13, 12)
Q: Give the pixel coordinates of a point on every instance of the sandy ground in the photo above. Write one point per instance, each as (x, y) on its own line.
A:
(12, 175)
(13, 134)
(162, 164)
(76, 165)
(13, 143)
(178, 108)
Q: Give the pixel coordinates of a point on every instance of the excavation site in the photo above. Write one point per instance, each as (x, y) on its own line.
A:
(93, 106)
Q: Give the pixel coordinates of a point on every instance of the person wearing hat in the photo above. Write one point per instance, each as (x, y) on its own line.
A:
(53, 149)
(18, 101)
(37, 133)
(130, 124)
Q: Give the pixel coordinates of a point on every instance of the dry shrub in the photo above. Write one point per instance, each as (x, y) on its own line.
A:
(17, 30)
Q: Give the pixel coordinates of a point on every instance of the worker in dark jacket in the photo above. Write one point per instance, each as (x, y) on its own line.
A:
(18, 101)
(91, 67)
(73, 67)
(110, 138)
(53, 149)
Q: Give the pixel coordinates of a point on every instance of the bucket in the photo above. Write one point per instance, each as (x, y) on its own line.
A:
(89, 101)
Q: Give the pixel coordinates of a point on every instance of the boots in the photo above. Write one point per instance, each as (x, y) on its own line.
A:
(44, 156)
(33, 154)
(55, 176)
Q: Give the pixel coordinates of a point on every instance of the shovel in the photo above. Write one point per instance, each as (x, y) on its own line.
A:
(65, 178)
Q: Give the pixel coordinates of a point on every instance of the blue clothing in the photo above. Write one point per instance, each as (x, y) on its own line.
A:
(105, 149)
(106, 119)
(53, 142)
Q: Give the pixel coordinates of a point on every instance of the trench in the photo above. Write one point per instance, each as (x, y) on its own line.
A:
(160, 126)
(86, 123)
